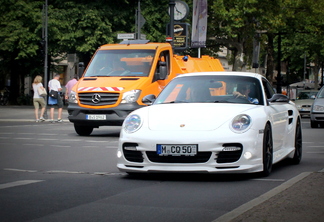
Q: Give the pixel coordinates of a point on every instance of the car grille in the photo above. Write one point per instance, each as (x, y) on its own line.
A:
(201, 157)
(102, 99)
(228, 156)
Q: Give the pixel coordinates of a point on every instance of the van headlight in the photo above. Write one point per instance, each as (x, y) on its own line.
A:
(132, 123)
(241, 123)
(131, 96)
(73, 98)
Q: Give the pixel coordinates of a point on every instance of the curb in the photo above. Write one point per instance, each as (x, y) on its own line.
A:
(249, 205)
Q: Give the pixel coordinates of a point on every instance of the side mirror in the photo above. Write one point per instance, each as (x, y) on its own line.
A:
(80, 69)
(279, 98)
(149, 99)
(162, 71)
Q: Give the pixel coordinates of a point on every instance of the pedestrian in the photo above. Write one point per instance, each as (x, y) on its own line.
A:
(54, 84)
(38, 100)
(69, 85)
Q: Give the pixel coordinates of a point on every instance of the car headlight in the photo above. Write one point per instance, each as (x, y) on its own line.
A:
(241, 123)
(131, 96)
(73, 98)
(132, 123)
(318, 108)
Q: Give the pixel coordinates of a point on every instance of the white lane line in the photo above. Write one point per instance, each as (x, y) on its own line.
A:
(30, 144)
(20, 170)
(18, 183)
(60, 146)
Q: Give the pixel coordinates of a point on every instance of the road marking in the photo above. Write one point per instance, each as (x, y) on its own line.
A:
(18, 183)
(19, 170)
(272, 180)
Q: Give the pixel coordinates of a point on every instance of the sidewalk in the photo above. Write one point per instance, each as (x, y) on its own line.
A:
(300, 199)
(26, 113)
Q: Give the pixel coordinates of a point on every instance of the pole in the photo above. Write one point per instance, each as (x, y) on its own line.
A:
(172, 4)
(304, 68)
(46, 46)
(138, 20)
(279, 65)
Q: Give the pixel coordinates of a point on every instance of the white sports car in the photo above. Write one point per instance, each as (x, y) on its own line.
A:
(216, 122)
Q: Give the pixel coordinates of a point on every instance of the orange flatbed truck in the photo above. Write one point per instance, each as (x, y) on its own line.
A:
(120, 75)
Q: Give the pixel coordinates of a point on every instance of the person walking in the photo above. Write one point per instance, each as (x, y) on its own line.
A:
(38, 100)
(69, 85)
(54, 84)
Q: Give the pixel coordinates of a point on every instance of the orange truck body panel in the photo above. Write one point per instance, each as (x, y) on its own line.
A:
(101, 96)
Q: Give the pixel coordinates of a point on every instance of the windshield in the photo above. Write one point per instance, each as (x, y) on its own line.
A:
(121, 63)
(212, 89)
(306, 95)
(321, 94)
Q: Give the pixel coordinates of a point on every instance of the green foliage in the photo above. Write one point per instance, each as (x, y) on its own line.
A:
(81, 26)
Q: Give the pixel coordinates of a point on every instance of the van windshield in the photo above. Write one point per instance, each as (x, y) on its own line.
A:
(121, 63)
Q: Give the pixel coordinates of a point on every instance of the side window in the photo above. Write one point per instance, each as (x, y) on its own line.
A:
(267, 88)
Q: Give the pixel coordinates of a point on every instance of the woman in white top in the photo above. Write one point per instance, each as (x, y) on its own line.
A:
(38, 100)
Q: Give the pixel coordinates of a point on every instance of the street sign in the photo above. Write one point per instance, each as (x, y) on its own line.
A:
(126, 36)
(180, 39)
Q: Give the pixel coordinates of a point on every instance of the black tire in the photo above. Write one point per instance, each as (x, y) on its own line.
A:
(314, 124)
(298, 144)
(83, 130)
(267, 156)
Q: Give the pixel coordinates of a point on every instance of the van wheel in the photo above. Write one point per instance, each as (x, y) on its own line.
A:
(267, 156)
(83, 130)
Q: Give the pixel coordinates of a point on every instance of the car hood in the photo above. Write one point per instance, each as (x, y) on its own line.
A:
(193, 116)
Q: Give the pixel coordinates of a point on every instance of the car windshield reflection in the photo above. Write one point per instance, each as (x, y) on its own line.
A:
(212, 89)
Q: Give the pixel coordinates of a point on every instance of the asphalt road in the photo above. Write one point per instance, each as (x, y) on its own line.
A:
(48, 173)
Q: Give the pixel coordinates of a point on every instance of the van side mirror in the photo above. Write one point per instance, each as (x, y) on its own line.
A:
(80, 69)
(162, 71)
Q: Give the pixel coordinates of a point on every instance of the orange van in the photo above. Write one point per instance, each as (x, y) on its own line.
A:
(120, 75)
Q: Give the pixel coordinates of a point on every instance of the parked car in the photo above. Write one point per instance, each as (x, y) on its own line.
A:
(304, 101)
(200, 123)
(317, 110)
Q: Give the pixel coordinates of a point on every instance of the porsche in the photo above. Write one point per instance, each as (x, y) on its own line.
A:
(211, 122)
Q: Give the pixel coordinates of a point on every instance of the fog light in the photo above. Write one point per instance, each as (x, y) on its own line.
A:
(119, 154)
(231, 148)
(247, 155)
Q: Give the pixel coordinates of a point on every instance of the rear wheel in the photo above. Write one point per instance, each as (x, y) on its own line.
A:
(83, 130)
(298, 144)
(267, 156)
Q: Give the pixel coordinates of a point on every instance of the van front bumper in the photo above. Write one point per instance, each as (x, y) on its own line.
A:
(100, 117)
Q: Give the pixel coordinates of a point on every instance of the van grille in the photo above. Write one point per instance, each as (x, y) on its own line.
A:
(98, 99)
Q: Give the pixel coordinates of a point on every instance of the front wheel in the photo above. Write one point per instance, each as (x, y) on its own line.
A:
(298, 144)
(267, 156)
(83, 130)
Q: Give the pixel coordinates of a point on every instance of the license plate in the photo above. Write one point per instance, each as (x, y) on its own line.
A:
(177, 150)
(305, 109)
(96, 117)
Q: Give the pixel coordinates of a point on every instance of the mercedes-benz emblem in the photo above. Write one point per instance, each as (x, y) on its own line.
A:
(96, 98)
